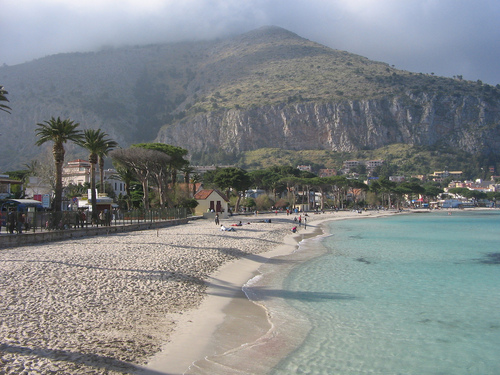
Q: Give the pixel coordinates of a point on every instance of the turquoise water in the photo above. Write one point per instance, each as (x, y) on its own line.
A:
(405, 294)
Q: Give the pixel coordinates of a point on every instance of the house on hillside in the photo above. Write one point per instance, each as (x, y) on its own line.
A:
(211, 200)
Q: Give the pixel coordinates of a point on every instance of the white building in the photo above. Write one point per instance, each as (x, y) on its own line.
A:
(78, 172)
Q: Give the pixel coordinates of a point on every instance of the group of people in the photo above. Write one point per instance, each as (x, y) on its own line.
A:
(16, 222)
(300, 220)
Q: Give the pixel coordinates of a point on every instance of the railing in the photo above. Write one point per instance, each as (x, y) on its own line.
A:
(46, 221)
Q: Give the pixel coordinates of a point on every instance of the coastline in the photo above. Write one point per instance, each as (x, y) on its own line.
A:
(210, 330)
(110, 304)
(192, 338)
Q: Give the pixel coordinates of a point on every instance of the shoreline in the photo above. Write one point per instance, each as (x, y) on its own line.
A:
(190, 341)
(193, 340)
(110, 304)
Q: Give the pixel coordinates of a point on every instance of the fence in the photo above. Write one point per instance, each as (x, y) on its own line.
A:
(47, 221)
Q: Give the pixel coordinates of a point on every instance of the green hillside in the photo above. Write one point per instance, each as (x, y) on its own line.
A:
(401, 159)
(272, 65)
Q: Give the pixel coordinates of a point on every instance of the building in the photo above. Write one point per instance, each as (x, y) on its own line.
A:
(369, 164)
(372, 164)
(77, 172)
(348, 164)
(37, 187)
(306, 168)
(441, 175)
(211, 200)
(254, 193)
(327, 172)
(397, 178)
(6, 186)
(111, 178)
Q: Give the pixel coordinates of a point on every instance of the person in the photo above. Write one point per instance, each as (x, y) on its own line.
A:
(305, 222)
(300, 221)
(217, 221)
(294, 229)
(12, 221)
(83, 218)
(224, 229)
(27, 223)
(20, 222)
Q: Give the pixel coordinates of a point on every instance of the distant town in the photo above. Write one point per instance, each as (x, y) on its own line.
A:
(455, 192)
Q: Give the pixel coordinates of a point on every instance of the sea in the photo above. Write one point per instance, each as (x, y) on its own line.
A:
(402, 294)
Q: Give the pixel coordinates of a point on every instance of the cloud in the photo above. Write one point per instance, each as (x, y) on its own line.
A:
(447, 37)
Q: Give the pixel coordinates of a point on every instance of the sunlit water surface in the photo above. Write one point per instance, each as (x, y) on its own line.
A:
(406, 294)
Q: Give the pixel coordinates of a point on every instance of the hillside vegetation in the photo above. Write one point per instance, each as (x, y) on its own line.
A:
(271, 65)
(223, 91)
(399, 159)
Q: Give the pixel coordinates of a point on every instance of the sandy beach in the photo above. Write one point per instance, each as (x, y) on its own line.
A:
(139, 302)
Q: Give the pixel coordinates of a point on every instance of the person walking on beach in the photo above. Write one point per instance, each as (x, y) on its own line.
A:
(217, 219)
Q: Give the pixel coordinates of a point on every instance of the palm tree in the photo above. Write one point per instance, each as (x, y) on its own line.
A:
(95, 142)
(3, 98)
(60, 132)
(104, 152)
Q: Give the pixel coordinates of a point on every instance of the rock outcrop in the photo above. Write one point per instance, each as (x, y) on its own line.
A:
(468, 123)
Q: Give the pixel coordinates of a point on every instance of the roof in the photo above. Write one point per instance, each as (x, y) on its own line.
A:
(205, 193)
(4, 180)
(25, 201)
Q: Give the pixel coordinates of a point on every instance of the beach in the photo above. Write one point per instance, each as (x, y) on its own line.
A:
(138, 302)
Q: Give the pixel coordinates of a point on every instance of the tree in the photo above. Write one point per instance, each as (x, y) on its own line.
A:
(195, 178)
(413, 188)
(431, 192)
(141, 162)
(168, 171)
(96, 143)
(459, 191)
(60, 132)
(177, 154)
(79, 190)
(267, 179)
(339, 186)
(383, 186)
(3, 98)
(110, 145)
(235, 178)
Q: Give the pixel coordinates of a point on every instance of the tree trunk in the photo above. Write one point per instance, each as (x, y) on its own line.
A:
(101, 175)
(93, 194)
(58, 152)
(145, 198)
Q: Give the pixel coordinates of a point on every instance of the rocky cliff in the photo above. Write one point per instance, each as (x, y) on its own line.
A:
(469, 123)
(266, 88)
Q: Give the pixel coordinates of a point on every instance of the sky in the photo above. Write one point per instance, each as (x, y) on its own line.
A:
(444, 37)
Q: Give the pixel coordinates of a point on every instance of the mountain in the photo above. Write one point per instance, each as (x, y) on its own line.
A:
(268, 88)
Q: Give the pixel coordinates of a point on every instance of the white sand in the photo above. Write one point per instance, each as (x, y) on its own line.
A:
(99, 305)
